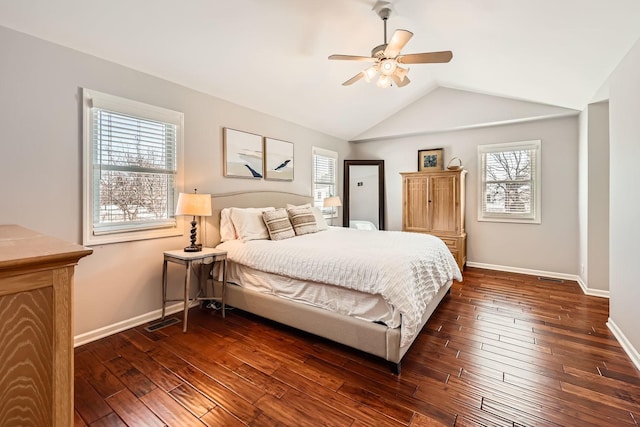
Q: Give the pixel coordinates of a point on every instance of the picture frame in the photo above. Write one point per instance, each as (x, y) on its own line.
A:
(430, 160)
(242, 154)
(278, 160)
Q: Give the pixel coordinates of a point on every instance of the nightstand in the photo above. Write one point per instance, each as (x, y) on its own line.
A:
(206, 256)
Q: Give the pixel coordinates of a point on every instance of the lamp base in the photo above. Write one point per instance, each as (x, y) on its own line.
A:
(193, 248)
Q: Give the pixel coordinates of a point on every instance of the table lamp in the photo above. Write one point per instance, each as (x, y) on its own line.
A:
(332, 202)
(196, 205)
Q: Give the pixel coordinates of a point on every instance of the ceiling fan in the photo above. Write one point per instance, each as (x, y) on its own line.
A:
(387, 56)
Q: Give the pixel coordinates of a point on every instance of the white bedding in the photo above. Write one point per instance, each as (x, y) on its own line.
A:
(372, 308)
(406, 269)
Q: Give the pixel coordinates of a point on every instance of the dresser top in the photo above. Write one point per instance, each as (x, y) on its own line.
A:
(22, 248)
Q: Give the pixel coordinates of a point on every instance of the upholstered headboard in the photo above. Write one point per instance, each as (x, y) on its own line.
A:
(248, 199)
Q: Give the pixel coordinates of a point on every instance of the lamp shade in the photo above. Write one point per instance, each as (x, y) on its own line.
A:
(333, 201)
(194, 204)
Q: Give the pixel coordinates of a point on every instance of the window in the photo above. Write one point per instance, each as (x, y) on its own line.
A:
(132, 168)
(509, 182)
(325, 175)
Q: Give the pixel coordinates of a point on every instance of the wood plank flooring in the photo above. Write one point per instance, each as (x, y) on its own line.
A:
(502, 350)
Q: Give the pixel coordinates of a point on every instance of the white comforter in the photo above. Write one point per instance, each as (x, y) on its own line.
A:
(407, 269)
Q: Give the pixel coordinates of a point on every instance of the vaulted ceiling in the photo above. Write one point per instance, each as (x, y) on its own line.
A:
(271, 56)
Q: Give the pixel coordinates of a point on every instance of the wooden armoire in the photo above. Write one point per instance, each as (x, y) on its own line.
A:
(433, 203)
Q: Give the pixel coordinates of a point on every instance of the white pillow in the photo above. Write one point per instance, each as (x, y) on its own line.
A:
(321, 223)
(227, 230)
(249, 224)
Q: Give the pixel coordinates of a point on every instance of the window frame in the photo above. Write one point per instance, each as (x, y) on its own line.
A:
(144, 229)
(332, 212)
(532, 217)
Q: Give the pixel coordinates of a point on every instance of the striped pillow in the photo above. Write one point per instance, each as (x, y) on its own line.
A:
(303, 220)
(278, 224)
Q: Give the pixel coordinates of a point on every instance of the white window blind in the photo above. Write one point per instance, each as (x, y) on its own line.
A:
(325, 174)
(510, 182)
(131, 170)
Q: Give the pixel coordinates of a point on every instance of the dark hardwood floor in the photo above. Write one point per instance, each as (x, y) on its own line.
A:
(502, 350)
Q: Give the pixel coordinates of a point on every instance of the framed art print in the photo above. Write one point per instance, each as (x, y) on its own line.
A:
(430, 160)
(242, 153)
(278, 163)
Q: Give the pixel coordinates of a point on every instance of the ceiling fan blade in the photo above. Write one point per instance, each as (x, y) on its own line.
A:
(425, 58)
(400, 82)
(354, 79)
(397, 42)
(353, 58)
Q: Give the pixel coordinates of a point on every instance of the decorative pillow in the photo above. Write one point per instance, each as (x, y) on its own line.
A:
(278, 224)
(317, 213)
(320, 221)
(227, 230)
(249, 224)
(303, 220)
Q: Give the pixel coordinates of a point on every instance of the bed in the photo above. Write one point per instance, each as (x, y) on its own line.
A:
(304, 283)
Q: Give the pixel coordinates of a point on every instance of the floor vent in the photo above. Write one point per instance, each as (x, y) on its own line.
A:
(162, 324)
(550, 279)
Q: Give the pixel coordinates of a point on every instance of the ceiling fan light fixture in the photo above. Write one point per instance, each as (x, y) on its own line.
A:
(370, 73)
(384, 81)
(388, 66)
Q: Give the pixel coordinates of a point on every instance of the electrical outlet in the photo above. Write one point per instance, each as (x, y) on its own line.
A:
(581, 268)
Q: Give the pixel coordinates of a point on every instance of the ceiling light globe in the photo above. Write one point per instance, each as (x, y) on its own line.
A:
(384, 81)
(370, 73)
(388, 66)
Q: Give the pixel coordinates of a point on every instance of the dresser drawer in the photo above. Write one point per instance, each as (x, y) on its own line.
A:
(451, 242)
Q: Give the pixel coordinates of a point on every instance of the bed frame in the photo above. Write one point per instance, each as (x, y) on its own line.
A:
(373, 338)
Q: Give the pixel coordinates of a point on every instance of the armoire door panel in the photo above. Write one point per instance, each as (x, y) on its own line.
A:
(416, 216)
(443, 192)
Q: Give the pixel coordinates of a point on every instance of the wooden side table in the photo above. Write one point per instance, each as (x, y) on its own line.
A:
(179, 256)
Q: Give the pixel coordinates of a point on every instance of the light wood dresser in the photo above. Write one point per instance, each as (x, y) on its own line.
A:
(433, 203)
(36, 328)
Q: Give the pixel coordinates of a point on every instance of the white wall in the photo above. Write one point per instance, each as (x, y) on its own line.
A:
(551, 246)
(583, 196)
(624, 193)
(593, 189)
(41, 169)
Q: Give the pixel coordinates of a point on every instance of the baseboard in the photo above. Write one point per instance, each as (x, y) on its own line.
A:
(563, 276)
(96, 334)
(589, 291)
(631, 351)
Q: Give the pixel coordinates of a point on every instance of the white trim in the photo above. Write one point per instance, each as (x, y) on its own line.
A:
(554, 275)
(108, 330)
(318, 151)
(626, 345)
(94, 99)
(589, 291)
(536, 183)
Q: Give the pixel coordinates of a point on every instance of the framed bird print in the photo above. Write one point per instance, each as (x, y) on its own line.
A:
(242, 154)
(278, 160)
